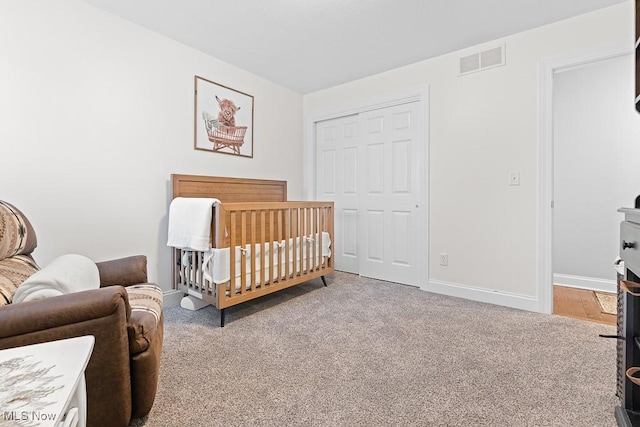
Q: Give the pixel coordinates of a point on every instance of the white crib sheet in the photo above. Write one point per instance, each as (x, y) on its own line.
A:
(218, 265)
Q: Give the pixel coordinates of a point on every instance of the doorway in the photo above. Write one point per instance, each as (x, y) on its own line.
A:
(575, 136)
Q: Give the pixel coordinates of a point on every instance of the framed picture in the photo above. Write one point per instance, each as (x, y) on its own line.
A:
(223, 120)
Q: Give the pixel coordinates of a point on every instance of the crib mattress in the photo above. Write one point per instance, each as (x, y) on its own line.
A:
(217, 262)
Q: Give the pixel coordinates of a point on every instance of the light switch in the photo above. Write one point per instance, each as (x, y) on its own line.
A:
(514, 178)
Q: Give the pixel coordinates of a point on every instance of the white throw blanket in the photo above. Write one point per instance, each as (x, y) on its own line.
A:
(190, 223)
(64, 275)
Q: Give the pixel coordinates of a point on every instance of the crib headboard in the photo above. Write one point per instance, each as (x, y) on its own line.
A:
(229, 190)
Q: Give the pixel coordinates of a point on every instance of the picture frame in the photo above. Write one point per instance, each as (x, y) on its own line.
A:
(223, 119)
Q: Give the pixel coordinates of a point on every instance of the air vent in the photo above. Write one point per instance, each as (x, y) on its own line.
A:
(469, 64)
(478, 61)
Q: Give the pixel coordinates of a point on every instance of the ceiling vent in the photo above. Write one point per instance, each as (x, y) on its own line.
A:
(479, 61)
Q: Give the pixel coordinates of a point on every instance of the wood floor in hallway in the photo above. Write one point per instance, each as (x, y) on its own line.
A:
(579, 304)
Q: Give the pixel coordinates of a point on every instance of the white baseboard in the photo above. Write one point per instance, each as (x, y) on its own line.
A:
(522, 302)
(171, 298)
(590, 283)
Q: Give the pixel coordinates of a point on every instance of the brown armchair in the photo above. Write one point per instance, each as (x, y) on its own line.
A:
(124, 316)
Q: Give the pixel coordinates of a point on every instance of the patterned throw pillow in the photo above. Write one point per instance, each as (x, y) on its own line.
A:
(16, 233)
(14, 271)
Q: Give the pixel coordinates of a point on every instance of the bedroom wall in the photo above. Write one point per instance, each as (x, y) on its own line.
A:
(97, 113)
(483, 126)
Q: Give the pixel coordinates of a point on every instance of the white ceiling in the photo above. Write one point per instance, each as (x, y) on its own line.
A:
(308, 45)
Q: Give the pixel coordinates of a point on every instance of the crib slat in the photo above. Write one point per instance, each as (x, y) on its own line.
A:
(280, 214)
(253, 249)
(319, 247)
(299, 250)
(272, 238)
(326, 226)
(321, 228)
(179, 277)
(298, 239)
(316, 239)
(301, 228)
(175, 271)
(186, 273)
(330, 213)
(197, 273)
(287, 234)
(263, 255)
(312, 240)
(243, 256)
(318, 257)
(201, 266)
(304, 248)
(192, 270)
(232, 256)
(303, 241)
(304, 245)
(309, 232)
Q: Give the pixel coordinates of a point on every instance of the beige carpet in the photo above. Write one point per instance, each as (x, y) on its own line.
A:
(608, 302)
(362, 352)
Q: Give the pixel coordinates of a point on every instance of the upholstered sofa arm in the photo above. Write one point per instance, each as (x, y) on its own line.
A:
(102, 313)
(62, 311)
(124, 271)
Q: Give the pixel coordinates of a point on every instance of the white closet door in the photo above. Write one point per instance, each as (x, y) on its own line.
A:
(389, 196)
(369, 165)
(336, 180)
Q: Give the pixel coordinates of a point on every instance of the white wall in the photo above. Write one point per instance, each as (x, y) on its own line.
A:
(97, 113)
(482, 127)
(596, 151)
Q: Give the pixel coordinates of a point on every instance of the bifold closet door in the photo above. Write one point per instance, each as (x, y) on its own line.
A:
(389, 196)
(369, 165)
(336, 180)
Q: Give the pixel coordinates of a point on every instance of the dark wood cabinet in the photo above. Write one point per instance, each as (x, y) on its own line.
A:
(628, 322)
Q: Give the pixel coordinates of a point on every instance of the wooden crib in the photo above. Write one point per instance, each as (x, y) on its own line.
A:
(252, 226)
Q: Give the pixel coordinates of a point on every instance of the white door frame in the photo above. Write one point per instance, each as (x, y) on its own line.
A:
(545, 158)
(420, 94)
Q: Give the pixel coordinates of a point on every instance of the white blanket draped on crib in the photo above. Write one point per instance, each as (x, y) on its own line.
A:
(190, 223)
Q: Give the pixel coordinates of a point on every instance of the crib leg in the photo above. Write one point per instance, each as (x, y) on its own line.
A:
(222, 318)
(324, 281)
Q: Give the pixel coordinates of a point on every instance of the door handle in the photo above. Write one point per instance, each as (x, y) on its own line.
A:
(628, 245)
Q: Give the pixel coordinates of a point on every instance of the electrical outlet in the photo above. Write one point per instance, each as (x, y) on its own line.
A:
(444, 259)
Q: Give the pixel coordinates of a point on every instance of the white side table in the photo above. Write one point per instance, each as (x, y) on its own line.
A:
(43, 384)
